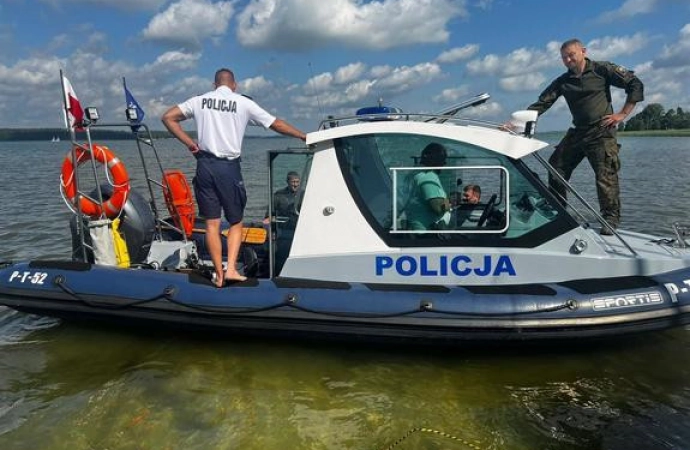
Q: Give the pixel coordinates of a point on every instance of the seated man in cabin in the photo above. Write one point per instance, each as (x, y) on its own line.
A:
(471, 194)
(429, 206)
(468, 212)
(285, 210)
(285, 202)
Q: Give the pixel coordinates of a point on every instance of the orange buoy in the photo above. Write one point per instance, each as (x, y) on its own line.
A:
(118, 174)
(179, 200)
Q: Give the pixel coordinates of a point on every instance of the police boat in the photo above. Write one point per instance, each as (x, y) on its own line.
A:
(357, 256)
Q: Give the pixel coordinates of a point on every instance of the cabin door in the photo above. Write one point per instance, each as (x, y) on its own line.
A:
(288, 174)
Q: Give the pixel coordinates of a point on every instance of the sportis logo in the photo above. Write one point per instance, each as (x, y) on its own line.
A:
(627, 301)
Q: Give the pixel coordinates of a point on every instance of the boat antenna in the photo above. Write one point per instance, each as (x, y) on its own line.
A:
(316, 94)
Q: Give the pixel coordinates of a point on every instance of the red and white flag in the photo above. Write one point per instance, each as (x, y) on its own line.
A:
(74, 114)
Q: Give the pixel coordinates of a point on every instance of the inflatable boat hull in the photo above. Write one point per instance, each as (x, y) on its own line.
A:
(580, 308)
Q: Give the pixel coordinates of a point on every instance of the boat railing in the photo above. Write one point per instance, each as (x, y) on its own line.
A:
(682, 231)
(583, 202)
(332, 122)
(143, 138)
(383, 113)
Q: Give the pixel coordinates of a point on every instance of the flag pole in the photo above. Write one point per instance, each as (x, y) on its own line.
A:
(65, 108)
(81, 226)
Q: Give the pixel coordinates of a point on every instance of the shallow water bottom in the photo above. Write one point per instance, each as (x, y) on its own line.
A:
(77, 387)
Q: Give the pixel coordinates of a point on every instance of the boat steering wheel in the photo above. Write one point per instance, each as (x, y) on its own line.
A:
(488, 209)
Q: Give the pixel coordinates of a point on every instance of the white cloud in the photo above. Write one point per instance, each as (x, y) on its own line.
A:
(458, 54)
(665, 85)
(303, 24)
(180, 59)
(380, 71)
(677, 54)
(489, 109)
(326, 90)
(343, 76)
(628, 9)
(349, 73)
(644, 68)
(405, 78)
(452, 94)
(125, 4)
(256, 85)
(189, 22)
(526, 82)
(320, 82)
(523, 60)
(30, 74)
(489, 65)
(34, 83)
(171, 61)
(354, 94)
(516, 62)
(609, 47)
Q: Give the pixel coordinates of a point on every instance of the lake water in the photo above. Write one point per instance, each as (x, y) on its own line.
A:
(68, 386)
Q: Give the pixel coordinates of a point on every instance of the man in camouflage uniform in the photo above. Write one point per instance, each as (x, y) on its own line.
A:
(586, 87)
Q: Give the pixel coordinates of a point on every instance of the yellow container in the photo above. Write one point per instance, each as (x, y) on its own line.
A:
(121, 252)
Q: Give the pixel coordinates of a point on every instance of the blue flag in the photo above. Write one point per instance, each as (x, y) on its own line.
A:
(132, 103)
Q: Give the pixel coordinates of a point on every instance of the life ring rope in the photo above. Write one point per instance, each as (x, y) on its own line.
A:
(115, 174)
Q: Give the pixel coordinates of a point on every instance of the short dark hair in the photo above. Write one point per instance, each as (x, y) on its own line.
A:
(433, 154)
(292, 174)
(474, 188)
(223, 76)
(570, 42)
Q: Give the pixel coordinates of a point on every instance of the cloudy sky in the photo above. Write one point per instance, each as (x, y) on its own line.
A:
(305, 59)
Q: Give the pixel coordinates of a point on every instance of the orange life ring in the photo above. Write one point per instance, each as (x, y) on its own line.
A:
(179, 200)
(118, 176)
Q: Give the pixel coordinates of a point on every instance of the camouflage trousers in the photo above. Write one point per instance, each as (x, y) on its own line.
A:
(602, 154)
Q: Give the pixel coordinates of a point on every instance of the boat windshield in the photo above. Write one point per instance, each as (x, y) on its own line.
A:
(485, 197)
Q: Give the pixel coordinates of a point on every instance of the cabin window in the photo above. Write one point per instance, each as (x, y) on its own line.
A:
(397, 189)
(469, 199)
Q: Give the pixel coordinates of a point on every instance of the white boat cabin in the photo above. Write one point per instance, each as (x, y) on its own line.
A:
(356, 214)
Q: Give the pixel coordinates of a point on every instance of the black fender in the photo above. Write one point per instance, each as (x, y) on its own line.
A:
(137, 225)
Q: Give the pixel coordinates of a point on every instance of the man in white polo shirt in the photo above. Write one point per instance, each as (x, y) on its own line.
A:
(221, 118)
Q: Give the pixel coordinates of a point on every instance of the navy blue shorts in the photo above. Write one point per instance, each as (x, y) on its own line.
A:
(218, 187)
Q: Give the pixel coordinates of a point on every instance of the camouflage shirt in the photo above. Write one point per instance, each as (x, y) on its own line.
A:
(589, 95)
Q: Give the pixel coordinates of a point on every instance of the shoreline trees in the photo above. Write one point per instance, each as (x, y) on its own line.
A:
(653, 117)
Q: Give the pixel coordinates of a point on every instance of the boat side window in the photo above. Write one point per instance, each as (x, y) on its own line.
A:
(460, 195)
(474, 199)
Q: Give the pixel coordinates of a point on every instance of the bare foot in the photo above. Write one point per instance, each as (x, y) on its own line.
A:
(218, 280)
(234, 276)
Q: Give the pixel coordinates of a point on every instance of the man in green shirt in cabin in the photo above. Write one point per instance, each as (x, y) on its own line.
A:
(586, 87)
(429, 206)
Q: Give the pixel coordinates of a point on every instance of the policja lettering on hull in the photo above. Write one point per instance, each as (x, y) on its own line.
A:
(459, 265)
(219, 104)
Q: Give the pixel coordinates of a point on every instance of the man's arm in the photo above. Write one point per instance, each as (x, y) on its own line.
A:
(439, 205)
(612, 120)
(547, 98)
(171, 119)
(626, 79)
(282, 127)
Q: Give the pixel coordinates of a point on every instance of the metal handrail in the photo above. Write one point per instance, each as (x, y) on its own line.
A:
(553, 172)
